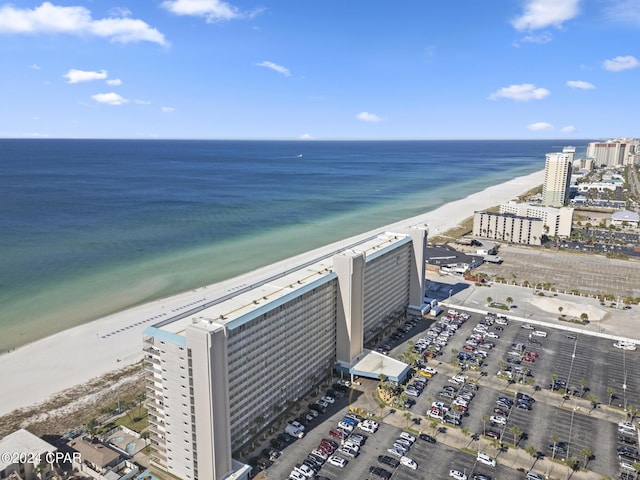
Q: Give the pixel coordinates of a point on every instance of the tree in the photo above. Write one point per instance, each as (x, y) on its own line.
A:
(434, 425)
(516, 431)
(509, 301)
(407, 417)
(485, 419)
(594, 401)
(489, 300)
(583, 384)
(91, 427)
(612, 392)
(633, 412)
(554, 439)
(587, 454)
(584, 317)
(533, 451)
(560, 310)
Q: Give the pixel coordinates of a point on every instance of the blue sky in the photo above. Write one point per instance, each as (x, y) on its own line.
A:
(311, 69)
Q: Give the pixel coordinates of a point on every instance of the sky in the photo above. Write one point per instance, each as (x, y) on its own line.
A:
(320, 69)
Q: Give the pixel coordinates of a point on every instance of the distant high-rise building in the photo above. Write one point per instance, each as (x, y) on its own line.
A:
(557, 178)
(614, 153)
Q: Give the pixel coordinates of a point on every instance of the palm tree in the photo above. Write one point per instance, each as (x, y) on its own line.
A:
(587, 454)
(594, 401)
(584, 317)
(583, 384)
(554, 439)
(465, 432)
(560, 310)
(611, 391)
(407, 417)
(91, 427)
(516, 431)
(434, 425)
(485, 419)
(509, 301)
(533, 451)
(489, 300)
(633, 412)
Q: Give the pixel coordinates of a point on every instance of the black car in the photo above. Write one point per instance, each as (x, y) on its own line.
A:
(387, 460)
(480, 476)
(317, 407)
(627, 440)
(380, 472)
(409, 403)
(277, 444)
(427, 438)
(523, 406)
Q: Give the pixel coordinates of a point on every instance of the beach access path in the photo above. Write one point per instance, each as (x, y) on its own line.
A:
(39, 370)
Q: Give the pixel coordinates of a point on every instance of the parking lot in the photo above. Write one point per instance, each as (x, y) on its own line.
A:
(588, 365)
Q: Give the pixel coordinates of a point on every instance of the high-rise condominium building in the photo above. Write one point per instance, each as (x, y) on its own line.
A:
(614, 153)
(557, 178)
(557, 222)
(220, 372)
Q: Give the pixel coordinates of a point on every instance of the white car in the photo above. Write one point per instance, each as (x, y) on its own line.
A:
(527, 326)
(430, 370)
(501, 321)
(337, 461)
(367, 427)
(407, 436)
(498, 419)
(305, 470)
(328, 399)
(297, 425)
(492, 335)
(625, 345)
(345, 426)
(395, 452)
(322, 403)
(539, 333)
(319, 453)
(486, 459)
(400, 447)
(407, 462)
(458, 475)
(296, 475)
(351, 445)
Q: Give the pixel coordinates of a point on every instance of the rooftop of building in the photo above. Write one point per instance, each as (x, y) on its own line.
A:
(248, 301)
(94, 451)
(23, 441)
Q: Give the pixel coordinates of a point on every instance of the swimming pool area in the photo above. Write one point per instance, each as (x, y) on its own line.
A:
(146, 475)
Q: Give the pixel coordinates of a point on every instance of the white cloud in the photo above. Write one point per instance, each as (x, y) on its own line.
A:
(211, 10)
(568, 129)
(540, 127)
(520, 93)
(276, 68)
(624, 11)
(142, 102)
(167, 109)
(580, 84)
(545, 13)
(110, 98)
(34, 66)
(114, 82)
(621, 63)
(368, 117)
(305, 136)
(120, 12)
(49, 18)
(540, 39)
(77, 76)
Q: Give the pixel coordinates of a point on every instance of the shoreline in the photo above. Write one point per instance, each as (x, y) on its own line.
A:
(115, 341)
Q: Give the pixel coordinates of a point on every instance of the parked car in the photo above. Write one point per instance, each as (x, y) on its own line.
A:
(337, 461)
(458, 475)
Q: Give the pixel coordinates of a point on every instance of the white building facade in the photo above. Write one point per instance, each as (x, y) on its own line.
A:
(508, 227)
(218, 375)
(618, 152)
(557, 222)
(557, 179)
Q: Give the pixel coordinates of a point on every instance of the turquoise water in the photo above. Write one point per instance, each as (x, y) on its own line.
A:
(93, 227)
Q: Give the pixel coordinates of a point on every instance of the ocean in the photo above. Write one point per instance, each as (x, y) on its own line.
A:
(91, 227)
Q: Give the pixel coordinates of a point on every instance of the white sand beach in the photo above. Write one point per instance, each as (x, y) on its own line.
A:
(38, 370)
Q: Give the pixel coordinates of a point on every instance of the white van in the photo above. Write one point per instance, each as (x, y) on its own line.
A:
(293, 431)
(486, 459)
(539, 333)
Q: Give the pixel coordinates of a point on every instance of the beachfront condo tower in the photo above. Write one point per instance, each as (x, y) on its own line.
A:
(219, 373)
(557, 178)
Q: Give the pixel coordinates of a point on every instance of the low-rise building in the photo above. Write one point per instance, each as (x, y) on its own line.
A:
(24, 456)
(508, 227)
(625, 219)
(557, 222)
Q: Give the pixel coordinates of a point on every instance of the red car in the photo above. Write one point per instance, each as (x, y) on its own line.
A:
(529, 359)
(499, 411)
(337, 434)
(470, 348)
(531, 354)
